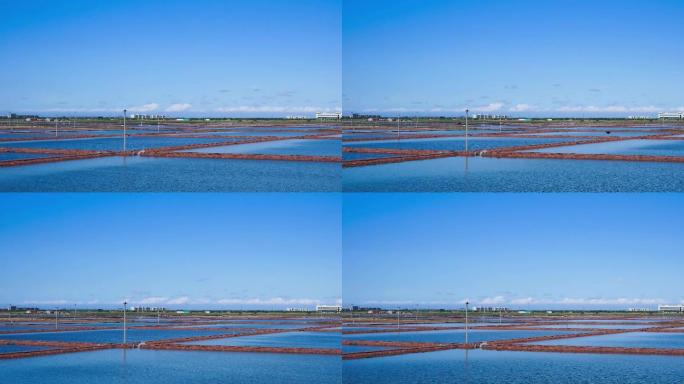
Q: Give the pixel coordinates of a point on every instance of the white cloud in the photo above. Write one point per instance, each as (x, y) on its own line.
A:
(178, 301)
(491, 107)
(180, 107)
(493, 300)
(47, 302)
(273, 109)
(521, 108)
(153, 300)
(144, 108)
(268, 301)
(609, 109)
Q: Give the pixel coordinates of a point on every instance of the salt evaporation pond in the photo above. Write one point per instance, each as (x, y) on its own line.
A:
(284, 340)
(110, 335)
(495, 367)
(145, 174)
(451, 336)
(308, 147)
(171, 367)
(453, 144)
(114, 143)
(625, 147)
(515, 175)
(627, 340)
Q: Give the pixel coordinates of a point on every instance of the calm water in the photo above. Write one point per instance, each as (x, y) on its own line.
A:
(451, 336)
(294, 339)
(256, 134)
(629, 340)
(264, 326)
(140, 174)
(113, 143)
(515, 175)
(485, 367)
(627, 147)
(361, 348)
(18, 156)
(598, 326)
(453, 144)
(110, 336)
(363, 156)
(20, 348)
(281, 147)
(171, 367)
(594, 133)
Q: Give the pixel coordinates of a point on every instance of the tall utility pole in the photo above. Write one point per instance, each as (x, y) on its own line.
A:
(157, 123)
(56, 318)
(124, 339)
(124, 133)
(466, 134)
(466, 324)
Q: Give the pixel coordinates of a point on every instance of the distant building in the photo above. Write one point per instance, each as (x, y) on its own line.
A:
(328, 115)
(671, 308)
(490, 309)
(328, 308)
(669, 115)
(490, 117)
(296, 310)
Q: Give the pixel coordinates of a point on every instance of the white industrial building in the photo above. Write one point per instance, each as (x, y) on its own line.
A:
(329, 115)
(671, 115)
(328, 308)
(671, 308)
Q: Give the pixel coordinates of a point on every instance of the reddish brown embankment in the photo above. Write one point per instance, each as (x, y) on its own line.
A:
(399, 348)
(55, 348)
(527, 345)
(230, 348)
(399, 155)
(516, 152)
(585, 156)
(174, 344)
(243, 156)
(59, 155)
(579, 349)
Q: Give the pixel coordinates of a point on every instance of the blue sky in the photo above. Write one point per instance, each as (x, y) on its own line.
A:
(175, 57)
(521, 58)
(176, 250)
(517, 250)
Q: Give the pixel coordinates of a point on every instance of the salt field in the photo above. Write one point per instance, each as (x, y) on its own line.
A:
(177, 158)
(520, 158)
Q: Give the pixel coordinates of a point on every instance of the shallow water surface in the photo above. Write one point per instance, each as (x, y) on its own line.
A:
(625, 147)
(110, 336)
(515, 175)
(451, 336)
(145, 174)
(628, 340)
(171, 367)
(286, 339)
(495, 367)
(307, 147)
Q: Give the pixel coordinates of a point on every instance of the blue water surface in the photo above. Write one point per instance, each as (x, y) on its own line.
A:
(495, 367)
(144, 174)
(171, 367)
(515, 175)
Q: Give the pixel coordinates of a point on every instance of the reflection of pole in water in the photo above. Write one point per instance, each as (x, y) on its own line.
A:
(466, 368)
